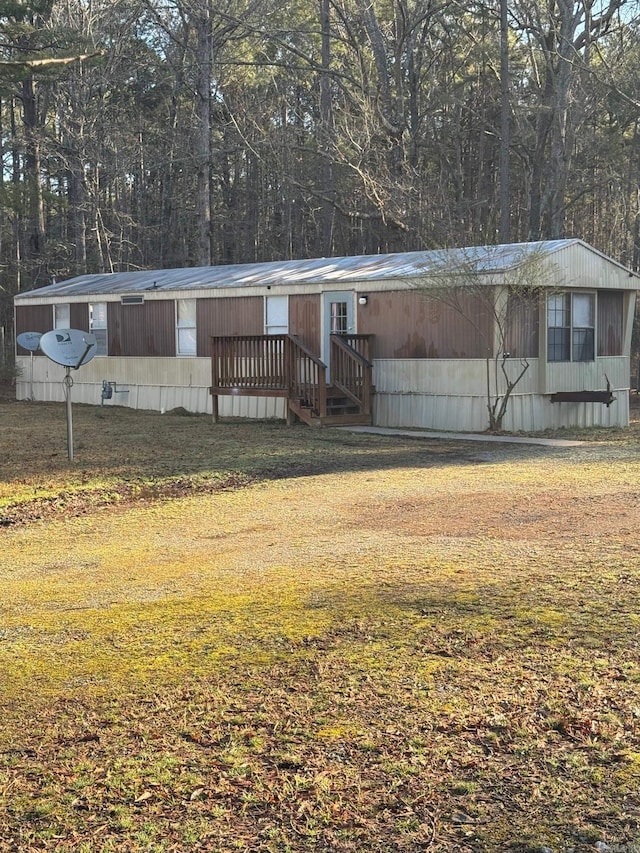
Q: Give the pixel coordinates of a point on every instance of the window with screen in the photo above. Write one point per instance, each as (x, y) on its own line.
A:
(276, 312)
(571, 327)
(186, 340)
(582, 327)
(98, 326)
(62, 316)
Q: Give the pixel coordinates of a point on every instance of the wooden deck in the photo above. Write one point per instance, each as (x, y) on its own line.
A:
(281, 366)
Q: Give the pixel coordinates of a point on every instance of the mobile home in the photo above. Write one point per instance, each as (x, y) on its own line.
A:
(273, 339)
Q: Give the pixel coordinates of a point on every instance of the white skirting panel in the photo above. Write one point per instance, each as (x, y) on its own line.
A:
(421, 393)
(533, 412)
(428, 411)
(159, 384)
(418, 393)
(160, 398)
(526, 412)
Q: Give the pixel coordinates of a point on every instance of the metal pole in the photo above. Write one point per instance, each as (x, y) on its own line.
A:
(68, 382)
(31, 376)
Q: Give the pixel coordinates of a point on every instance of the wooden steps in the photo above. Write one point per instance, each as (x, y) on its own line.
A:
(341, 411)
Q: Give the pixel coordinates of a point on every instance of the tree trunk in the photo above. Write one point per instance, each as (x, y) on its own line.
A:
(325, 224)
(505, 135)
(204, 59)
(32, 175)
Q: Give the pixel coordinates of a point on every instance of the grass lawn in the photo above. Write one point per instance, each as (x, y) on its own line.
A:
(244, 637)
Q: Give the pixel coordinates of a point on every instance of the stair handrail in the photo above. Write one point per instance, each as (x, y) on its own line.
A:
(360, 343)
(351, 372)
(307, 377)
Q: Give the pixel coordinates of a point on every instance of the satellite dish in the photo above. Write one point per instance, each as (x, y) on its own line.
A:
(69, 347)
(29, 340)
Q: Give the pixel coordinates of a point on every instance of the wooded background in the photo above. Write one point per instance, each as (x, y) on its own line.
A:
(166, 133)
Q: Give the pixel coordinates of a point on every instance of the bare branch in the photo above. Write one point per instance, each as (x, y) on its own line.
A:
(45, 63)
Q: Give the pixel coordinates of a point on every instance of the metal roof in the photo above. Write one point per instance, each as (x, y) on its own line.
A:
(361, 268)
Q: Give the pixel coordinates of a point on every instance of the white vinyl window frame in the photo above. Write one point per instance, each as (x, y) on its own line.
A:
(186, 331)
(276, 315)
(62, 315)
(571, 327)
(98, 326)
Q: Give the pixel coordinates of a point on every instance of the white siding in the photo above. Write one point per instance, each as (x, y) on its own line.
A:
(526, 413)
(159, 384)
(583, 267)
(422, 393)
(461, 376)
(590, 376)
(451, 395)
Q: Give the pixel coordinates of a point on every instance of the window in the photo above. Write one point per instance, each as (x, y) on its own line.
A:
(62, 316)
(98, 326)
(339, 318)
(583, 327)
(276, 315)
(186, 342)
(571, 327)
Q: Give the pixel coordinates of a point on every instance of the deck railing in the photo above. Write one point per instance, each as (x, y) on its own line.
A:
(282, 366)
(254, 362)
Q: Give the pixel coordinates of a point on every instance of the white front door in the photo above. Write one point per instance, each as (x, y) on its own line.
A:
(338, 317)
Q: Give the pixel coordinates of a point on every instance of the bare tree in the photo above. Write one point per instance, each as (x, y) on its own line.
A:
(498, 291)
(560, 36)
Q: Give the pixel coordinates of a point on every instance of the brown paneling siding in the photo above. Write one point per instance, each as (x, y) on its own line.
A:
(228, 315)
(610, 322)
(522, 326)
(79, 316)
(409, 325)
(144, 330)
(304, 319)
(33, 318)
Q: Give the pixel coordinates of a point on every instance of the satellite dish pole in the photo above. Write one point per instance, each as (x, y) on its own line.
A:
(70, 348)
(31, 376)
(68, 383)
